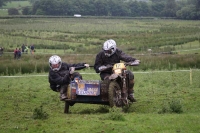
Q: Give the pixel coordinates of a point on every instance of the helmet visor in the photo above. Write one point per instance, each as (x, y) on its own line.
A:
(55, 66)
(108, 51)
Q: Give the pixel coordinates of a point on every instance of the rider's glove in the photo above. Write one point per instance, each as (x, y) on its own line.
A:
(71, 70)
(136, 62)
(101, 68)
(87, 65)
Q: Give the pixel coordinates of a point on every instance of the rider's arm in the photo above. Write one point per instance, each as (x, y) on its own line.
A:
(98, 63)
(78, 66)
(124, 57)
(58, 79)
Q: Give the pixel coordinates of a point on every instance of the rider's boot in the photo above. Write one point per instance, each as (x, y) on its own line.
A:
(131, 91)
(63, 92)
(131, 97)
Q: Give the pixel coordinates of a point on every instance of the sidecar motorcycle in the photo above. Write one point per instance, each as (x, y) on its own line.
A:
(111, 92)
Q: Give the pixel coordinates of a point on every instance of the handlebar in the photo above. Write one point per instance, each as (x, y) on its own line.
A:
(135, 63)
(109, 66)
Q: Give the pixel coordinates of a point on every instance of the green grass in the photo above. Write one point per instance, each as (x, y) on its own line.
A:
(186, 48)
(3, 12)
(154, 91)
(131, 35)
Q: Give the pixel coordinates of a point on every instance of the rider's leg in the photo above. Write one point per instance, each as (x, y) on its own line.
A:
(131, 87)
(63, 92)
(63, 89)
(104, 76)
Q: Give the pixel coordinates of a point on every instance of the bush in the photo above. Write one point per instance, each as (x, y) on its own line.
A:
(39, 113)
(13, 11)
(175, 106)
(40, 12)
(26, 11)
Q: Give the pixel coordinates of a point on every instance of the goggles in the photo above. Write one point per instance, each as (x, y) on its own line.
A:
(108, 51)
(55, 66)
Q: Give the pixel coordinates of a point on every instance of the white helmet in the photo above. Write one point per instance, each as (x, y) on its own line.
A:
(109, 47)
(55, 63)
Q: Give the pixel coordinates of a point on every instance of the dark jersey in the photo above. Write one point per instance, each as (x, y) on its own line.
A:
(101, 59)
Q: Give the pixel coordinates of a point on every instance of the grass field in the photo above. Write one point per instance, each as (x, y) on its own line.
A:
(86, 35)
(167, 102)
(80, 39)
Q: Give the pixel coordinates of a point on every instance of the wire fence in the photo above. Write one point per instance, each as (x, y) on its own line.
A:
(177, 78)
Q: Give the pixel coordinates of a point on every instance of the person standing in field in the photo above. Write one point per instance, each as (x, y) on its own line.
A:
(26, 49)
(15, 53)
(1, 51)
(23, 48)
(32, 49)
(19, 53)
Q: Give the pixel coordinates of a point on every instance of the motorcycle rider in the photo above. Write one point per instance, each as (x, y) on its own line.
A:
(61, 73)
(110, 54)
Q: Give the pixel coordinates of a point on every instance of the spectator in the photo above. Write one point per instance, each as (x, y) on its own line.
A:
(32, 49)
(19, 53)
(15, 53)
(26, 49)
(23, 48)
(1, 51)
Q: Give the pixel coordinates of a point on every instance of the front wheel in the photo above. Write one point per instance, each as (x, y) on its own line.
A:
(114, 93)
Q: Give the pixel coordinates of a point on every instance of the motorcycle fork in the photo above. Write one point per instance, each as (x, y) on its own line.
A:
(125, 87)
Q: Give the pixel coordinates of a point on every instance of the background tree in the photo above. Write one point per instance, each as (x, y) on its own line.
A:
(26, 11)
(187, 12)
(144, 9)
(49, 7)
(134, 7)
(13, 11)
(157, 8)
(3, 2)
(33, 1)
(170, 8)
(157, 1)
(101, 7)
(118, 8)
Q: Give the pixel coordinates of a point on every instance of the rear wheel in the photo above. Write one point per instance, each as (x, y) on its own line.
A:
(114, 93)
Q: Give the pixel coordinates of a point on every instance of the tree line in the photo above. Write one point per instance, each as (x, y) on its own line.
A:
(182, 9)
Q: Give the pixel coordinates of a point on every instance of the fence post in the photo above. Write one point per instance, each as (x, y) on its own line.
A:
(190, 76)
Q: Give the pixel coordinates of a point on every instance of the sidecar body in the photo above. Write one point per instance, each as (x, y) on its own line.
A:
(88, 91)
